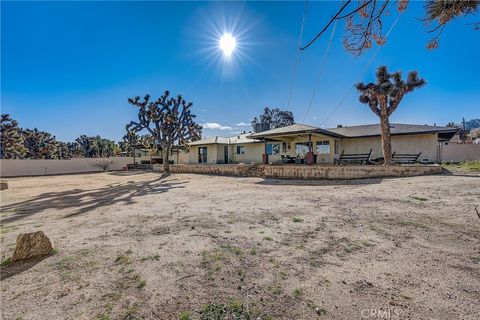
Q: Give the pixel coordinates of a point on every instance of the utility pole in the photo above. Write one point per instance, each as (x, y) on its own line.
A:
(464, 132)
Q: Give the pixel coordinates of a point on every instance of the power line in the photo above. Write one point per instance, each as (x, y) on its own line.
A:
(364, 70)
(298, 54)
(324, 58)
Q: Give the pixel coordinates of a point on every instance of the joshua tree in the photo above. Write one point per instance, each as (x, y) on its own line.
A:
(383, 98)
(11, 139)
(131, 140)
(148, 143)
(62, 151)
(364, 20)
(169, 120)
(40, 144)
(75, 149)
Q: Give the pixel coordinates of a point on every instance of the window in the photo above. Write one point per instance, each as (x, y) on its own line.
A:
(240, 149)
(336, 146)
(202, 155)
(284, 147)
(323, 147)
(273, 148)
(301, 148)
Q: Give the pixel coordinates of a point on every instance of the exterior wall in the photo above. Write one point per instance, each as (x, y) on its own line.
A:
(427, 144)
(253, 153)
(214, 153)
(27, 167)
(313, 172)
(459, 152)
(424, 143)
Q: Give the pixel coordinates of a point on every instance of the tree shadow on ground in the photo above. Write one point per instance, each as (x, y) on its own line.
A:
(86, 200)
(15, 268)
(335, 182)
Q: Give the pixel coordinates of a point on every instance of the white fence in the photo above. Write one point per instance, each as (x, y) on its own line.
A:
(20, 167)
(459, 152)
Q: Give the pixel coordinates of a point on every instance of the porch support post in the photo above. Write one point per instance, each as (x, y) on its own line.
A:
(310, 158)
(265, 155)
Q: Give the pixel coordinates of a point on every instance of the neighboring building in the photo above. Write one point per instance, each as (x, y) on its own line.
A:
(296, 140)
(456, 139)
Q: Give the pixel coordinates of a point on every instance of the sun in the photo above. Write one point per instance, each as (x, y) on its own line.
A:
(227, 44)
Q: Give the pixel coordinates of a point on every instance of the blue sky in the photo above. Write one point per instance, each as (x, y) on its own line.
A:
(69, 67)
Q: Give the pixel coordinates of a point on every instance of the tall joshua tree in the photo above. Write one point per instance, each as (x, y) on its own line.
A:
(383, 98)
(169, 120)
(131, 140)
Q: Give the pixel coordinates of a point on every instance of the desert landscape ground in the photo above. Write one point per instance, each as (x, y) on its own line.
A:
(134, 245)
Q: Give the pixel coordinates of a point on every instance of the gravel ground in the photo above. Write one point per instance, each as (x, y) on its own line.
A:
(145, 246)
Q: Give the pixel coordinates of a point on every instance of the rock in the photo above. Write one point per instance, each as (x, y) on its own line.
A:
(32, 245)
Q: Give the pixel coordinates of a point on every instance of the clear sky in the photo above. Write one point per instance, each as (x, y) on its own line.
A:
(69, 67)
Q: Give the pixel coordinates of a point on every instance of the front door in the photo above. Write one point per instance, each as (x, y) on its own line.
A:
(202, 155)
(225, 154)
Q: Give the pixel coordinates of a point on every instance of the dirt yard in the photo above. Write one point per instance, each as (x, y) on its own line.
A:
(143, 246)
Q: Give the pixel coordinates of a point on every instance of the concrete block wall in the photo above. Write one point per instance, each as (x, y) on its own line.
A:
(42, 167)
(306, 172)
(238, 170)
(347, 172)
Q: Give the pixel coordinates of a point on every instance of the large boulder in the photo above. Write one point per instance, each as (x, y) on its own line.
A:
(32, 245)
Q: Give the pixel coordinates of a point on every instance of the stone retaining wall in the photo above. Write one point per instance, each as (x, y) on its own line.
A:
(239, 170)
(305, 172)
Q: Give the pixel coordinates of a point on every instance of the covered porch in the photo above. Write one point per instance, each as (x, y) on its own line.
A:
(299, 144)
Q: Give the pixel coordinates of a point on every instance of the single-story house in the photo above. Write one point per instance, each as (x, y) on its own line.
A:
(326, 144)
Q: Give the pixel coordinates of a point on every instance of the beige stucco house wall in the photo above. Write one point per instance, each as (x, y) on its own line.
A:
(212, 153)
(326, 144)
(253, 153)
(427, 144)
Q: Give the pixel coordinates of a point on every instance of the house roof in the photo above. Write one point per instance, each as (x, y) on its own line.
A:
(293, 129)
(371, 130)
(210, 140)
(240, 139)
(243, 138)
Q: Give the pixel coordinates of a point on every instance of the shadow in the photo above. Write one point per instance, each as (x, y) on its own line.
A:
(87, 200)
(459, 173)
(324, 182)
(15, 268)
(128, 173)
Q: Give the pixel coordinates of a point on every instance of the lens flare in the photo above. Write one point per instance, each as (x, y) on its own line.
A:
(227, 44)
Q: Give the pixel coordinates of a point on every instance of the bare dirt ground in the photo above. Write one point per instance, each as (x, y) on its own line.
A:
(143, 246)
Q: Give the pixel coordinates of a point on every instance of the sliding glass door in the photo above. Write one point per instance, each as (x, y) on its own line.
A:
(202, 155)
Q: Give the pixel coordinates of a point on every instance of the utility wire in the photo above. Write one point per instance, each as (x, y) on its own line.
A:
(298, 54)
(322, 63)
(363, 72)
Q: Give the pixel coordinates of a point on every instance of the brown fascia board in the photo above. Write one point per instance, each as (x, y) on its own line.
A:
(402, 133)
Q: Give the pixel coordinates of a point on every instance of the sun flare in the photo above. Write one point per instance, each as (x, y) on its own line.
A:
(227, 44)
